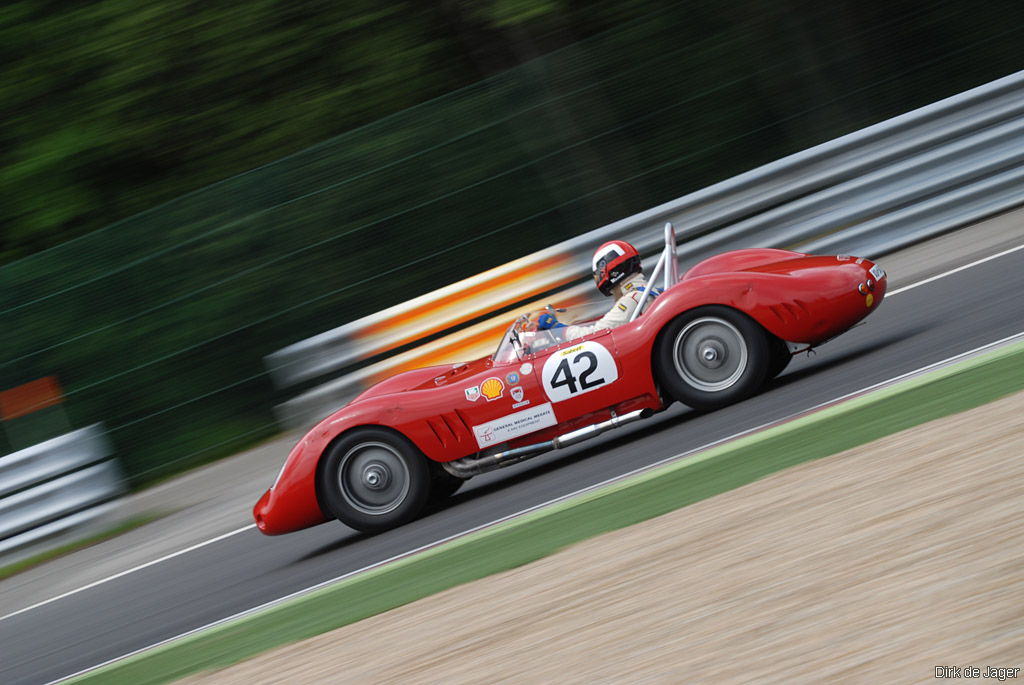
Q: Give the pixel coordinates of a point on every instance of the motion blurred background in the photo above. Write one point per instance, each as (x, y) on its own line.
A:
(190, 186)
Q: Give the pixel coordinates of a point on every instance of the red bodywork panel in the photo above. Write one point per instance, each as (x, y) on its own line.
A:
(452, 412)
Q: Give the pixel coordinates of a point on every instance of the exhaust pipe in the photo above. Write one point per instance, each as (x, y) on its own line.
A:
(467, 467)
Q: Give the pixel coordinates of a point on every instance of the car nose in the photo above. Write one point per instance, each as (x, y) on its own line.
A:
(259, 512)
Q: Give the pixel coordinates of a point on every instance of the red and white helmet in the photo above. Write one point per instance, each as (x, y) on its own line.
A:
(613, 262)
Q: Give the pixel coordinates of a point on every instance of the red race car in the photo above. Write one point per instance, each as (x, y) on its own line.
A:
(711, 338)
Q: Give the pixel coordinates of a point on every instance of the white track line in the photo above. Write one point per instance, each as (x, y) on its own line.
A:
(953, 271)
(131, 570)
(709, 445)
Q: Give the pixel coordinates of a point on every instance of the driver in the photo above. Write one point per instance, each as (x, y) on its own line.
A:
(617, 272)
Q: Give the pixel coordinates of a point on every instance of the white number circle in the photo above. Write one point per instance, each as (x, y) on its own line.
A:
(578, 369)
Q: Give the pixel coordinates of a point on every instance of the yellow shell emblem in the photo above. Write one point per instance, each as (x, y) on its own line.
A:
(492, 388)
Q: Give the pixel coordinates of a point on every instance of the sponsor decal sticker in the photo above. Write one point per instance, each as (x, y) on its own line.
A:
(878, 272)
(512, 378)
(492, 388)
(473, 394)
(524, 403)
(526, 369)
(512, 426)
(517, 393)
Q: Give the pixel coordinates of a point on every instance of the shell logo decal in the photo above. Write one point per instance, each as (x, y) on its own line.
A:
(492, 388)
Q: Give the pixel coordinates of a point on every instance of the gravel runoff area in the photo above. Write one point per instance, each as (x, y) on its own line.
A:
(878, 564)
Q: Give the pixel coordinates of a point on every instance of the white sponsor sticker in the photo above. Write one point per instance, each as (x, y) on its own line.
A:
(878, 272)
(512, 426)
(473, 394)
(517, 393)
(526, 369)
(578, 369)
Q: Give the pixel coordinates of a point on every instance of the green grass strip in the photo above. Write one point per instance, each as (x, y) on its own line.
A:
(947, 391)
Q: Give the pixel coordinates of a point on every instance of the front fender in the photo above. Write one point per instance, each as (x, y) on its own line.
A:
(292, 503)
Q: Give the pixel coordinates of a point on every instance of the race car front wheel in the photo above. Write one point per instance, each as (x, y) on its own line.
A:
(443, 484)
(374, 479)
(779, 357)
(711, 357)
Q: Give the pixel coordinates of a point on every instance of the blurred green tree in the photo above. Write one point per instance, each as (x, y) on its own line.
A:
(188, 186)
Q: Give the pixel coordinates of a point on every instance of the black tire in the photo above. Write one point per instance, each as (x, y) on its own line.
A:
(711, 357)
(373, 479)
(443, 484)
(779, 358)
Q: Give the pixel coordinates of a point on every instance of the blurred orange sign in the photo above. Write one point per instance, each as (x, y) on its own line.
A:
(30, 397)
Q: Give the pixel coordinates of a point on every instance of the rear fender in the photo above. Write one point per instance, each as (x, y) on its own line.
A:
(804, 306)
(738, 260)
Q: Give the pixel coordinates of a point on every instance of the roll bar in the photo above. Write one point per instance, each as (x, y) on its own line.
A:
(668, 256)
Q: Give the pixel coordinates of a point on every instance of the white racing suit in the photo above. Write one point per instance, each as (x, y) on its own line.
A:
(629, 291)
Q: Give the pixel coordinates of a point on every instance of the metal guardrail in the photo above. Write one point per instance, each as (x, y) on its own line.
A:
(868, 193)
(51, 491)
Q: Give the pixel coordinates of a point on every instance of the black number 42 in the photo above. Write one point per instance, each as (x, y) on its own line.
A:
(563, 374)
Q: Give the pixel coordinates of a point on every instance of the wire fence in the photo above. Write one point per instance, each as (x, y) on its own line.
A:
(157, 325)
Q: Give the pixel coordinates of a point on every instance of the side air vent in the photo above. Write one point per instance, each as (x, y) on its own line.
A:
(450, 428)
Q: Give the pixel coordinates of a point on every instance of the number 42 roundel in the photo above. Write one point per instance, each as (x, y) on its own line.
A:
(578, 369)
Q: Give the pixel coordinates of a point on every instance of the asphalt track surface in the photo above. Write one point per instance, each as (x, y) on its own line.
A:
(912, 329)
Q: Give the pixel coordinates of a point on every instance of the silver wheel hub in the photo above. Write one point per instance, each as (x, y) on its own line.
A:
(710, 354)
(373, 478)
(376, 477)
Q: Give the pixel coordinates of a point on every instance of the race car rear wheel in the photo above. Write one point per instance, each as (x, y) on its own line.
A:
(374, 479)
(711, 357)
